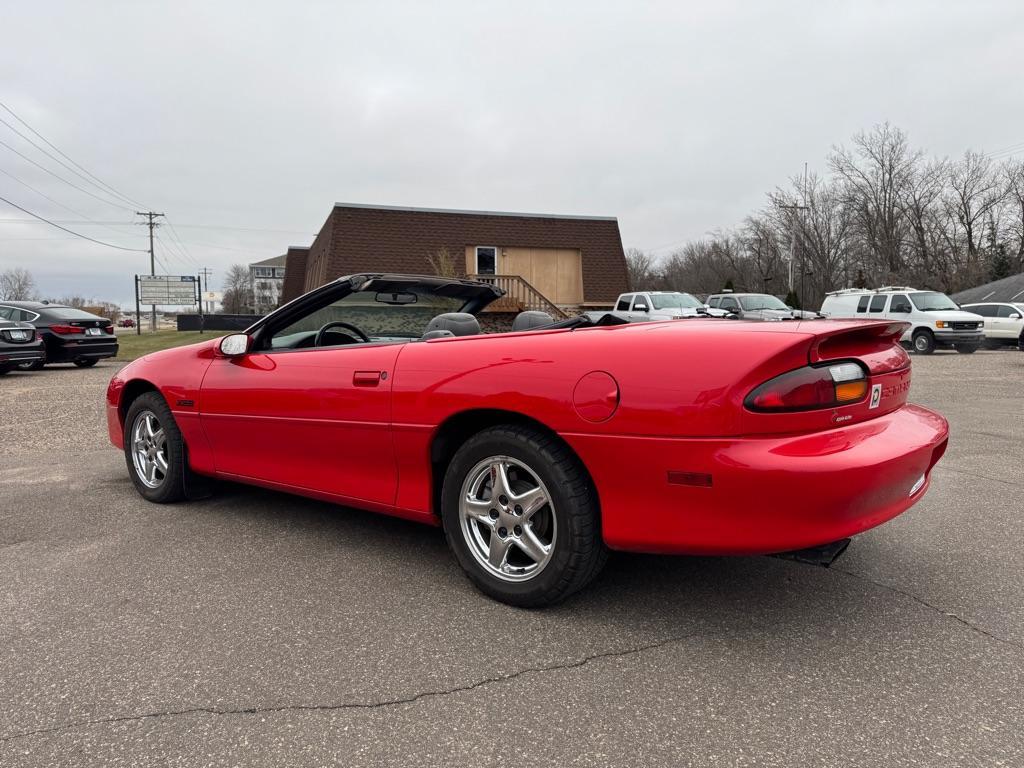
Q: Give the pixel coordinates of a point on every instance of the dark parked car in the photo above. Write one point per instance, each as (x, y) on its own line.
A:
(19, 344)
(69, 335)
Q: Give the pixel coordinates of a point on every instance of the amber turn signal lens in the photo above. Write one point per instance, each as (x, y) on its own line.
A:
(851, 391)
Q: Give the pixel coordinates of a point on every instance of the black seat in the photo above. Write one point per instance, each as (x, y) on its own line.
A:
(530, 319)
(459, 323)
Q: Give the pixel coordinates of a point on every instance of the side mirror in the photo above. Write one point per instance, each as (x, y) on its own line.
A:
(641, 308)
(234, 345)
(1015, 315)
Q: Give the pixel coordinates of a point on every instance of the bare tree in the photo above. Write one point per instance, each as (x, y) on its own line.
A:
(874, 178)
(237, 288)
(764, 252)
(17, 284)
(886, 214)
(1014, 174)
(442, 263)
(921, 206)
(641, 267)
(974, 189)
(824, 235)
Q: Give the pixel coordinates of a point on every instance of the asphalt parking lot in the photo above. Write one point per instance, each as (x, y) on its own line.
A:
(255, 628)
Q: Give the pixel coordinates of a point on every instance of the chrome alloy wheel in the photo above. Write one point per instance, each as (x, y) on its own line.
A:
(149, 449)
(508, 520)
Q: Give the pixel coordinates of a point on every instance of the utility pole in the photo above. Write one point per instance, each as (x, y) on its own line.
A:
(792, 238)
(151, 223)
(206, 272)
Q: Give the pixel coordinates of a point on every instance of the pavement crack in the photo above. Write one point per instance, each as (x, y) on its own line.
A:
(386, 703)
(932, 607)
(980, 476)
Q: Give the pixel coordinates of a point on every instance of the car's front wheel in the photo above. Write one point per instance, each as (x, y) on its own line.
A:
(924, 343)
(154, 450)
(521, 515)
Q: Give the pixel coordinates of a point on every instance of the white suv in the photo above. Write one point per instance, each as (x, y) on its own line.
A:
(936, 321)
(1004, 321)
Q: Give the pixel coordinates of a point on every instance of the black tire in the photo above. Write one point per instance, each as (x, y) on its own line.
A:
(86, 362)
(966, 349)
(578, 552)
(4, 370)
(923, 342)
(171, 487)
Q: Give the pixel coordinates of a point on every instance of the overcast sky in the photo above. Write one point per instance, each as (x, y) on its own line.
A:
(675, 117)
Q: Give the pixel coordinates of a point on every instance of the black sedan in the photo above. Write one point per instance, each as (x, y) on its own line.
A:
(70, 335)
(19, 345)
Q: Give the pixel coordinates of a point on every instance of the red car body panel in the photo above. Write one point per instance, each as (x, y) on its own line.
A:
(655, 411)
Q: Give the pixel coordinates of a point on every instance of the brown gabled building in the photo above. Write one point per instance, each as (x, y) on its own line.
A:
(567, 261)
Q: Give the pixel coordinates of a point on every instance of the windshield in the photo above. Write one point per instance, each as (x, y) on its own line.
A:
(932, 301)
(674, 301)
(373, 315)
(760, 301)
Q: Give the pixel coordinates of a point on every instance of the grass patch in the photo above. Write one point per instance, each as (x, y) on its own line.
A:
(132, 346)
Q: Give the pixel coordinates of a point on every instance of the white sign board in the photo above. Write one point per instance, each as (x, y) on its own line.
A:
(167, 289)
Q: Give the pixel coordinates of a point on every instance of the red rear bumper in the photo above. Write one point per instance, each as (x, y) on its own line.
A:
(766, 494)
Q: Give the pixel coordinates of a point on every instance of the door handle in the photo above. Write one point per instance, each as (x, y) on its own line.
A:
(366, 378)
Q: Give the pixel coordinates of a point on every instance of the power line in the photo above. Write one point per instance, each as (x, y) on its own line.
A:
(59, 204)
(181, 245)
(70, 231)
(61, 178)
(65, 221)
(247, 229)
(179, 256)
(95, 179)
(191, 226)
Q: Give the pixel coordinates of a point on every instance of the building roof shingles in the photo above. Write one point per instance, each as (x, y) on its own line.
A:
(360, 238)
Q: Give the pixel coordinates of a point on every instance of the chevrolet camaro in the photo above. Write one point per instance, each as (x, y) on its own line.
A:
(540, 448)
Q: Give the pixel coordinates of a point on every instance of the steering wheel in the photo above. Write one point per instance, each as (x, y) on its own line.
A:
(338, 324)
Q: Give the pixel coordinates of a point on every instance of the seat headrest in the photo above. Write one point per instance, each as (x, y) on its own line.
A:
(524, 321)
(440, 333)
(459, 323)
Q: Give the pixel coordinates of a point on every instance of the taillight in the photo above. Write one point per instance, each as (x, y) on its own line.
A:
(824, 386)
(65, 329)
(108, 328)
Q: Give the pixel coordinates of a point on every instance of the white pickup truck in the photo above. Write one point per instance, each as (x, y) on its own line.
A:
(639, 306)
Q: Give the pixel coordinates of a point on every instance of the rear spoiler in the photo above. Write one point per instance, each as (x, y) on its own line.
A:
(876, 344)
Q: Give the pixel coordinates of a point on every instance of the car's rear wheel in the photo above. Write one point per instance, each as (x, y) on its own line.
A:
(86, 362)
(521, 515)
(924, 343)
(154, 450)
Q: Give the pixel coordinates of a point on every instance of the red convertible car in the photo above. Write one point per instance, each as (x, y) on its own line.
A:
(540, 448)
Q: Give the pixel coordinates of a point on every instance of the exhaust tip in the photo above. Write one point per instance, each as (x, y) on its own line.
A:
(822, 555)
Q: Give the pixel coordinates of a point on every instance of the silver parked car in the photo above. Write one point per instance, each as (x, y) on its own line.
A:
(757, 306)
